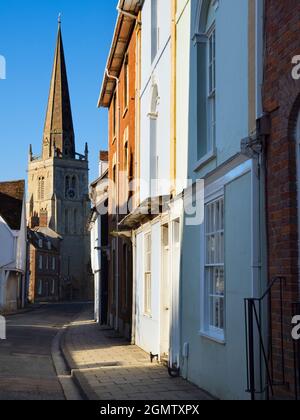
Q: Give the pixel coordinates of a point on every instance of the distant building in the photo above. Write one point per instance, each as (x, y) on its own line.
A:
(58, 185)
(98, 226)
(12, 245)
(45, 265)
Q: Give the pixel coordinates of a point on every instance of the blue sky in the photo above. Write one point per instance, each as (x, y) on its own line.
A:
(27, 41)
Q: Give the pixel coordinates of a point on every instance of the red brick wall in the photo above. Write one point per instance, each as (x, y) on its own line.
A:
(281, 97)
(116, 148)
(45, 274)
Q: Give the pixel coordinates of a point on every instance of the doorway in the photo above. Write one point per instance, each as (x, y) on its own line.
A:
(165, 296)
(175, 287)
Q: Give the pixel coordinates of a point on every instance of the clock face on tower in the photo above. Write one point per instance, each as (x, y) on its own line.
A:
(71, 194)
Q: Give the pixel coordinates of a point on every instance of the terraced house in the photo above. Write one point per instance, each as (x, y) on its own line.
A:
(118, 94)
(281, 101)
(223, 257)
(213, 126)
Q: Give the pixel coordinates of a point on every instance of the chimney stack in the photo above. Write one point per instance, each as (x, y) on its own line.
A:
(43, 218)
(34, 221)
(103, 162)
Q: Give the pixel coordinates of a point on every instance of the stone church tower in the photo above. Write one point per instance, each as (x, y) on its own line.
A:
(58, 185)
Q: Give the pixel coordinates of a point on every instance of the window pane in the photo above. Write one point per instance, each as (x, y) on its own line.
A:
(147, 308)
(147, 284)
(154, 29)
(214, 271)
(219, 279)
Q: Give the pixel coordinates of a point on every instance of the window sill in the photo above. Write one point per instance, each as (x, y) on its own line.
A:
(205, 160)
(214, 336)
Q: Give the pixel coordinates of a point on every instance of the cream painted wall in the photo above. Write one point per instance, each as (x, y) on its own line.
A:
(183, 36)
(157, 72)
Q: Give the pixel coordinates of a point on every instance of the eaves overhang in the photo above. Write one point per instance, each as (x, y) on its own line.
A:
(122, 35)
(145, 212)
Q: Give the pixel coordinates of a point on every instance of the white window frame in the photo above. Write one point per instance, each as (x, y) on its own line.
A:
(148, 276)
(211, 90)
(207, 330)
(213, 191)
(214, 325)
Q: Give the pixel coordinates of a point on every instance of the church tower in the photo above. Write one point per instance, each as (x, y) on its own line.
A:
(58, 200)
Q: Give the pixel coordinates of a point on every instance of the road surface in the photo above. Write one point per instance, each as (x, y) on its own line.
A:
(27, 371)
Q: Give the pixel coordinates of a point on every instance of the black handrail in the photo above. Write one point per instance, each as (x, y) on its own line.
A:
(258, 346)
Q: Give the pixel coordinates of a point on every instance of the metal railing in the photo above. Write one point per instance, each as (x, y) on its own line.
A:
(259, 342)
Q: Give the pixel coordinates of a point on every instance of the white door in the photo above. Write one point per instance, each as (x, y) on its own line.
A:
(165, 295)
(175, 287)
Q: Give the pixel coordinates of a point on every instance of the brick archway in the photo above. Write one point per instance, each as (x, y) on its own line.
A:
(296, 130)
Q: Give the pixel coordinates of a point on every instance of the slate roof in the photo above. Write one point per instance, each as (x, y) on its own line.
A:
(41, 237)
(11, 202)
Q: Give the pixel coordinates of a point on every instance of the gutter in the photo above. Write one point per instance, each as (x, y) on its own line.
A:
(117, 189)
(129, 15)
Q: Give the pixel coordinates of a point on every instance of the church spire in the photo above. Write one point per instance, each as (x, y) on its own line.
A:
(59, 131)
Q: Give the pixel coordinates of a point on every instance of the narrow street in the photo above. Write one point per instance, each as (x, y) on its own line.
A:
(104, 365)
(26, 367)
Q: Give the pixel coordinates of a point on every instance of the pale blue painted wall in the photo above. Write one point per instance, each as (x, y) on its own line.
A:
(220, 369)
(231, 84)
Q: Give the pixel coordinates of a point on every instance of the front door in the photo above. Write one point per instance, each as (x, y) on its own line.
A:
(175, 287)
(165, 295)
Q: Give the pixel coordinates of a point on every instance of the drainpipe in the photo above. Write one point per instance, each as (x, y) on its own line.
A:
(117, 80)
(175, 342)
(133, 332)
(173, 97)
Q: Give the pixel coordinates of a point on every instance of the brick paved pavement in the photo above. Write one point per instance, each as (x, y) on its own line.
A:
(107, 368)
